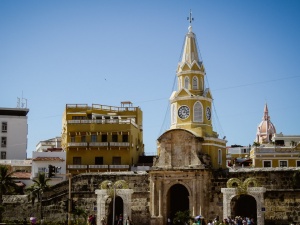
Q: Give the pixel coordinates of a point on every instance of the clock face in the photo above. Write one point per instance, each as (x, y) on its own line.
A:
(183, 112)
(208, 113)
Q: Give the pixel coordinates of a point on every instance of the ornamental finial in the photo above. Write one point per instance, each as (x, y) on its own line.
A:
(190, 18)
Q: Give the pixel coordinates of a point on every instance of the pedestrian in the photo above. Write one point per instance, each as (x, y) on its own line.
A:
(32, 220)
(128, 221)
(169, 221)
(120, 222)
(93, 221)
(89, 220)
(103, 222)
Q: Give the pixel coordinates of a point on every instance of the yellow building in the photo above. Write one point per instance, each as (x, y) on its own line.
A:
(102, 138)
(274, 150)
(191, 106)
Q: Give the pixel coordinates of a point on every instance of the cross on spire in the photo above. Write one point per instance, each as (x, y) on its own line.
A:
(190, 18)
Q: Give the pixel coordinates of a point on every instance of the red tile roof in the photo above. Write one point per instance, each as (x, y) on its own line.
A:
(21, 175)
(48, 159)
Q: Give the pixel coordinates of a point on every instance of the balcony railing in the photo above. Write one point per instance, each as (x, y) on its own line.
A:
(104, 121)
(77, 166)
(98, 144)
(275, 150)
(98, 167)
(77, 144)
(119, 144)
(101, 107)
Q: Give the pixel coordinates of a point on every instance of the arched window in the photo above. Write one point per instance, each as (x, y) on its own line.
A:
(198, 112)
(195, 83)
(186, 82)
(220, 157)
(173, 114)
(179, 83)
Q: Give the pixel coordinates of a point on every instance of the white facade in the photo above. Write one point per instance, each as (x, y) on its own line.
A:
(52, 143)
(286, 140)
(239, 150)
(14, 130)
(42, 160)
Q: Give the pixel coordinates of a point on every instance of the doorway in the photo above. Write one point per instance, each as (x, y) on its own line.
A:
(243, 206)
(118, 210)
(178, 200)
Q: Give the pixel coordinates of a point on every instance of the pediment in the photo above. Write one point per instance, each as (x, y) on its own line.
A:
(193, 66)
(182, 93)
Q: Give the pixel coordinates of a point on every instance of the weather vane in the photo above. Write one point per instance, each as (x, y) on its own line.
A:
(190, 18)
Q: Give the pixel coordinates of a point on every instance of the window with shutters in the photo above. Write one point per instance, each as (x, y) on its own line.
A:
(198, 112)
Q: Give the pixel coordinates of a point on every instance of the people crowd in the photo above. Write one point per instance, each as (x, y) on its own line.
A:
(238, 220)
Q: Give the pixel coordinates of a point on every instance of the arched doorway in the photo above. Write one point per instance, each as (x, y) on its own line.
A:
(178, 200)
(119, 206)
(243, 205)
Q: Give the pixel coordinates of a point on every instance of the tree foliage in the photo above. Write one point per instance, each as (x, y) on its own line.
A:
(182, 217)
(39, 185)
(7, 185)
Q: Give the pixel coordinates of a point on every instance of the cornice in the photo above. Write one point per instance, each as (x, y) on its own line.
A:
(213, 144)
(193, 97)
(190, 72)
(215, 139)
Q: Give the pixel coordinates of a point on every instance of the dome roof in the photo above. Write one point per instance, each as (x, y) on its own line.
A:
(265, 129)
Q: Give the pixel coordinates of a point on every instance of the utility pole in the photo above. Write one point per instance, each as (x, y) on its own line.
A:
(69, 199)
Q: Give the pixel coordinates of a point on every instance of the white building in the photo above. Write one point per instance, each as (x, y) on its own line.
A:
(286, 140)
(49, 152)
(21, 168)
(14, 130)
(53, 143)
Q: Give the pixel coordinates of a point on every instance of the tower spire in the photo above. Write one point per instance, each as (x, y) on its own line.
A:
(266, 113)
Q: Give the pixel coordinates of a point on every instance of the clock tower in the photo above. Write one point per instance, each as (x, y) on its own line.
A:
(191, 103)
(190, 149)
(191, 135)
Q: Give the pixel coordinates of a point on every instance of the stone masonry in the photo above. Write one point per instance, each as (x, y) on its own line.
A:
(281, 199)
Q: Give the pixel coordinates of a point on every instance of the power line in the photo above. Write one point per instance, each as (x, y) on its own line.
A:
(261, 82)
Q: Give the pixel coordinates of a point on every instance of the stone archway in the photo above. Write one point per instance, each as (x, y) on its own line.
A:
(236, 187)
(105, 193)
(243, 205)
(177, 200)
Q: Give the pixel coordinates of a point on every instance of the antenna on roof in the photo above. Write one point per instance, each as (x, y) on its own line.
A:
(22, 102)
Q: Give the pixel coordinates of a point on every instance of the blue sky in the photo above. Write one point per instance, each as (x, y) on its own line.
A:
(105, 52)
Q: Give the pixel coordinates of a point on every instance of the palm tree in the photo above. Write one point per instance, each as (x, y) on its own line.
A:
(7, 185)
(79, 212)
(36, 190)
(256, 144)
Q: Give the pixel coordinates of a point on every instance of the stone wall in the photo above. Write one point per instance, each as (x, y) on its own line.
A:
(282, 197)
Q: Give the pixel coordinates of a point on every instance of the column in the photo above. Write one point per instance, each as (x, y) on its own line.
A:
(160, 199)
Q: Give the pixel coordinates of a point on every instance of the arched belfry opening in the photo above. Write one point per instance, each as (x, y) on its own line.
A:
(177, 200)
(243, 205)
